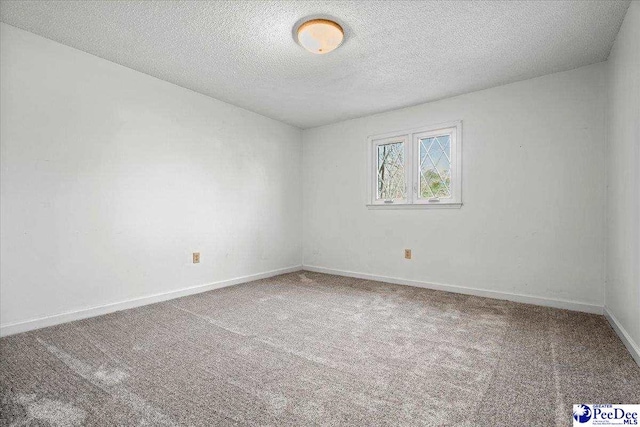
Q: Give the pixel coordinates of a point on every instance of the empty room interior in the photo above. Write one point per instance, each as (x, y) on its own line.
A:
(316, 213)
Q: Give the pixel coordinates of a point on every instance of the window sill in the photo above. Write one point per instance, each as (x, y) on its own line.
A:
(416, 206)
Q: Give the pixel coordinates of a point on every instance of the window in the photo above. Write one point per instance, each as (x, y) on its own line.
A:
(419, 168)
(390, 169)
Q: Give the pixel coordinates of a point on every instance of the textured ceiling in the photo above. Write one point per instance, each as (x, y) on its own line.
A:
(395, 54)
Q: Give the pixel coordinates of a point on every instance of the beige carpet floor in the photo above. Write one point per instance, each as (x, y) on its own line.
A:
(310, 349)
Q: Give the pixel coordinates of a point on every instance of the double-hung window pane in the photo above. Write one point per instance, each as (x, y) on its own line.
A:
(391, 180)
(435, 167)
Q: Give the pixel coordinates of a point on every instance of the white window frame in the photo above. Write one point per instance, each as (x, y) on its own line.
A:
(411, 139)
(405, 139)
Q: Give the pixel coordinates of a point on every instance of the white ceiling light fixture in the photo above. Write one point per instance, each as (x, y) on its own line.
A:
(320, 36)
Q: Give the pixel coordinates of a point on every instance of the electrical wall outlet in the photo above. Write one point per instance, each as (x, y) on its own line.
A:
(196, 257)
(407, 253)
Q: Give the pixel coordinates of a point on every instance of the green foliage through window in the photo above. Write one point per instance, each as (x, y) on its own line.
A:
(435, 167)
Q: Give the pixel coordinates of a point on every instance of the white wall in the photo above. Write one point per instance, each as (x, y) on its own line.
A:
(111, 179)
(533, 192)
(622, 288)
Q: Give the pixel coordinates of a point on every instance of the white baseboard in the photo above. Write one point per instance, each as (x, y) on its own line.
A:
(526, 299)
(56, 319)
(626, 339)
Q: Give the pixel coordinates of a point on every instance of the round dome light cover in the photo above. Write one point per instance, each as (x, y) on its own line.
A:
(320, 36)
